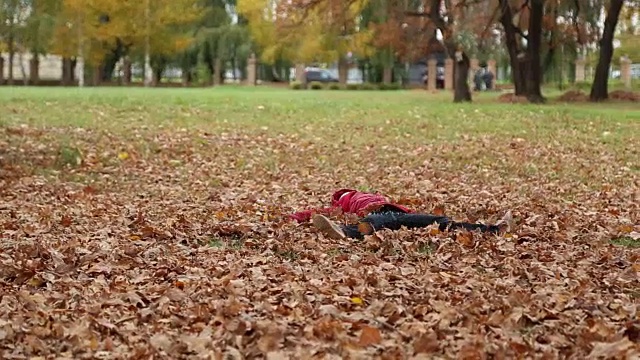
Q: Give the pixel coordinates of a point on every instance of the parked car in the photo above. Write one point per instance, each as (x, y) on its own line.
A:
(320, 75)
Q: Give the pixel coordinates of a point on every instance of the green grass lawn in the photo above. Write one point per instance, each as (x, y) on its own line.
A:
(153, 221)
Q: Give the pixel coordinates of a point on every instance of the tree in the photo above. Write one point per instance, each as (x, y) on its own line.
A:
(534, 73)
(301, 31)
(208, 32)
(234, 45)
(38, 30)
(513, 44)
(570, 28)
(448, 18)
(599, 88)
(13, 14)
(103, 31)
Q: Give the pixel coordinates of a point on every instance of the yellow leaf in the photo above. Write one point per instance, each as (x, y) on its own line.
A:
(123, 155)
(36, 281)
(626, 229)
(134, 237)
(356, 300)
(93, 344)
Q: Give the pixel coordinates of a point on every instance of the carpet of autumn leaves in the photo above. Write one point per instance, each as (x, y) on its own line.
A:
(171, 242)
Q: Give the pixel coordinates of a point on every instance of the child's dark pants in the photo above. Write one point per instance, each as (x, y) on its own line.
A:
(394, 220)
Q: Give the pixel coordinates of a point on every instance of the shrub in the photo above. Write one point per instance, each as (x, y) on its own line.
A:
(394, 86)
(202, 73)
(390, 86)
(353, 87)
(334, 86)
(316, 85)
(295, 85)
(368, 86)
(582, 85)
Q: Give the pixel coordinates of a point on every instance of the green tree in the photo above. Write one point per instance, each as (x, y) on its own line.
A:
(13, 15)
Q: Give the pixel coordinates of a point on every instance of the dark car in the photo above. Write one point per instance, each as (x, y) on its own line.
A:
(320, 75)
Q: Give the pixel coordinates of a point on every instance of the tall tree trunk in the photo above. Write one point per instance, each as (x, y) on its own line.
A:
(461, 91)
(97, 75)
(23, 71)
(233, 69)
(599, 88)
(185, 77)
(12, 52)
(72, 71)
(67, 78)
(111, 60)
(343, 70)
(534, 75)
(156, 76)
(34, 69)
(387, 75)
(1, 70)
(516, 56)
(126, 71)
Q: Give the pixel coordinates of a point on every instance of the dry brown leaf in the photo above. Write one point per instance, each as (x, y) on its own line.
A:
(610, 350)
(426, 343)
(184, 249)
(160, 342)
(369, 336)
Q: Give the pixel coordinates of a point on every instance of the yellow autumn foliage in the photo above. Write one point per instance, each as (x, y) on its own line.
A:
(80, 20)
(305, 36)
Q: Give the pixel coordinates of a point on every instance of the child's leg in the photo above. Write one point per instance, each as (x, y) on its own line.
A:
(395, 220)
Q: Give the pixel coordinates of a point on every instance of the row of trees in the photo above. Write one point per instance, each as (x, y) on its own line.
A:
(186, 33)
(538, 38)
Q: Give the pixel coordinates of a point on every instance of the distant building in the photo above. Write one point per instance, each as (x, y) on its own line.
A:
(50, 66)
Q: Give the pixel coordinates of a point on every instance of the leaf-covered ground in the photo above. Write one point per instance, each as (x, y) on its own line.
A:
(141, 223)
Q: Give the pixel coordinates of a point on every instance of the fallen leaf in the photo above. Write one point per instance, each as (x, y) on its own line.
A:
(610, 350)
(426, 343)
(369, 336)
(439, 210)
(357, 301)
(365, 228)
(160, 342)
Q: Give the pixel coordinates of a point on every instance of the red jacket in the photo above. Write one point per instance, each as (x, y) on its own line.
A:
(351, 201)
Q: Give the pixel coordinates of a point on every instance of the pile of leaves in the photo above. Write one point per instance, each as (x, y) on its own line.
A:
(511, 98)
(175, 243)
(573, 96)
(625, 95)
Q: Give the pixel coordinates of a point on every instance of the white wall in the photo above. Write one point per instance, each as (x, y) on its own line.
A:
(50, 66)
